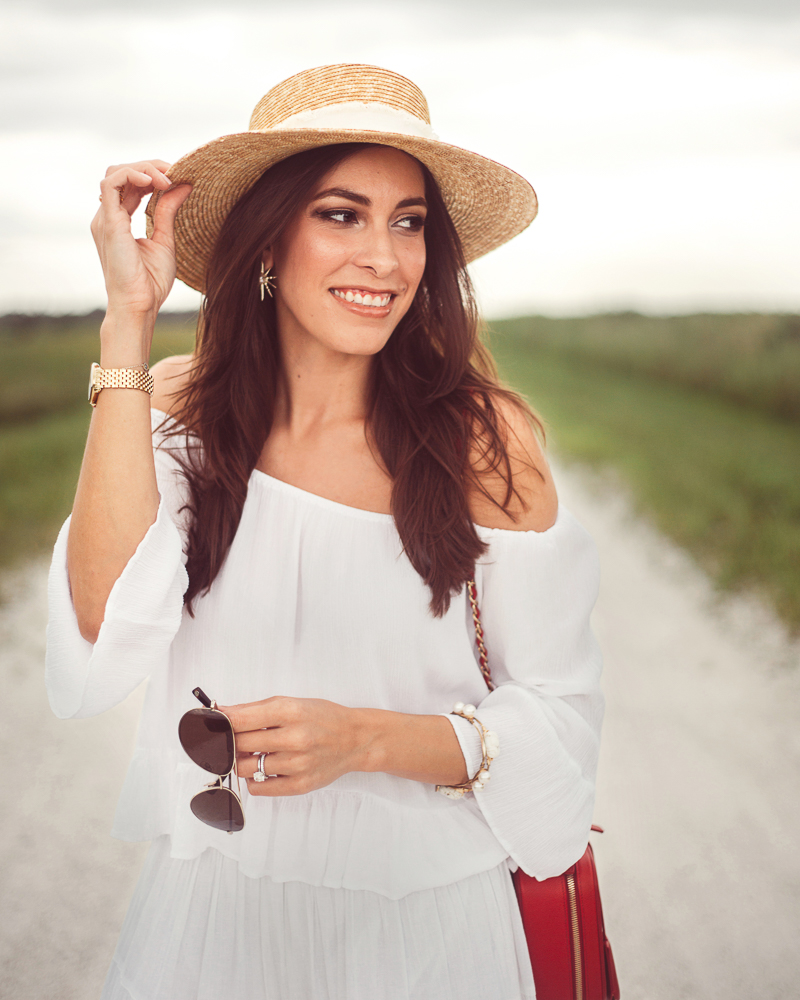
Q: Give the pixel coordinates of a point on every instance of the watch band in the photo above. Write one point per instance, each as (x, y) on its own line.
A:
(119, 378)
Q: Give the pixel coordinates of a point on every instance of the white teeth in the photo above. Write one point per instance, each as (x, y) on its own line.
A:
(367, 299)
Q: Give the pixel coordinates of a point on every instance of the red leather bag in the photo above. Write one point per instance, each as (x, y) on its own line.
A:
(563, 920)
(562, 916)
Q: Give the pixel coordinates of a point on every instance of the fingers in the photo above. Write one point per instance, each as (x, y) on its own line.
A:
(161, 165)
(123, 180)
(277, 711)
(266, 741)
(280, 785)
(247, 764)
(164, 216)
(277, 786)
(123, 187)
(281, 779)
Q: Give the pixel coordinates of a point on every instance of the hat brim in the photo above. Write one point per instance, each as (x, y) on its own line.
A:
(488, 203)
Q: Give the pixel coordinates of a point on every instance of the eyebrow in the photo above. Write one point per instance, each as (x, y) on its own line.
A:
(361, 199)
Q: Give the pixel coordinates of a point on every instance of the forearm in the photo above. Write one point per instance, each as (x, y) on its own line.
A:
(419, 747)
(117, 495)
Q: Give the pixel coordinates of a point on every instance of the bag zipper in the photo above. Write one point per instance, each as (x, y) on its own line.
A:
(577, 963)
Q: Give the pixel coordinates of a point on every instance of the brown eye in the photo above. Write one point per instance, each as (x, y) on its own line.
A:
(412, 223)
(341, 215)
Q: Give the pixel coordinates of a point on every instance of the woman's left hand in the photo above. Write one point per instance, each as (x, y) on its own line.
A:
(310, 743)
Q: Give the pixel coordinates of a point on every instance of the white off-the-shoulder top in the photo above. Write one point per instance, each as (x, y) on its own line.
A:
(316, 599)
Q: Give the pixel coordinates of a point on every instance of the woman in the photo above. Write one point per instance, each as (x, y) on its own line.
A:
(324, 476)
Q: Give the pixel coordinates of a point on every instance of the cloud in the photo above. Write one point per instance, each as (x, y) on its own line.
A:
(505, 9)
(663, 148)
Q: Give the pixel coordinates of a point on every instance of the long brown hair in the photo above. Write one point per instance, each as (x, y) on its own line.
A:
(433, 400)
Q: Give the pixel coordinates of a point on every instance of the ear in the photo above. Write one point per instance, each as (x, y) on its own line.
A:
(267, 259)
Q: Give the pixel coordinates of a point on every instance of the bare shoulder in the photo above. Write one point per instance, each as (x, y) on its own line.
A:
(535, 505)
(169, 376)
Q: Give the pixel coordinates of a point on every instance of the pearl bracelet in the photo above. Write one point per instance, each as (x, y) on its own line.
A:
(490, 748)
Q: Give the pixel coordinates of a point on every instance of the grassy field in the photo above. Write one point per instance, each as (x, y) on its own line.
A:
(721, 479)
(45, 361)
(44, 418)
(699, 415)
(750, 359)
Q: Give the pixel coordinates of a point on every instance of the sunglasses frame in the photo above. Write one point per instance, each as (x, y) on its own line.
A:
(207, 703)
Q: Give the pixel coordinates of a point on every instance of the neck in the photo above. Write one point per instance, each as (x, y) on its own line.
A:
(320, 387)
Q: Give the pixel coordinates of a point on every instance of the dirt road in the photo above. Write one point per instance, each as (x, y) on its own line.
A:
(698, 789)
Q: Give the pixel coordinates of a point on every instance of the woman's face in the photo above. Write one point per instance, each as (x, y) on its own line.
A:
(349, 264)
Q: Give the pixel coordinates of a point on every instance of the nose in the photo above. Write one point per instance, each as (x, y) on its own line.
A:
(376, 251)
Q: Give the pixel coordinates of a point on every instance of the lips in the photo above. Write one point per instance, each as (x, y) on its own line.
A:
(362, 297)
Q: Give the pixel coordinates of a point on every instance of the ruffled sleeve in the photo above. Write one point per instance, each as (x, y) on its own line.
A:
(536, 591)
(142, 614)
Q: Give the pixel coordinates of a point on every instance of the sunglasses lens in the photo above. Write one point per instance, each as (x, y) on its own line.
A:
(220, 808)
(207, 737)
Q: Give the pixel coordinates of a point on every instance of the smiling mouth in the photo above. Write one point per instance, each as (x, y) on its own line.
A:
(375, 300)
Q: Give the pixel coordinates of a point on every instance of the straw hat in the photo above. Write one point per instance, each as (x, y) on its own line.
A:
(487, 202)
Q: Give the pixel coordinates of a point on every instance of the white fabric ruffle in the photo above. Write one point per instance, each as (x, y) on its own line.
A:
(361, 832)
(142, 615)
(202, 930)
(536, 591)
(317, 599)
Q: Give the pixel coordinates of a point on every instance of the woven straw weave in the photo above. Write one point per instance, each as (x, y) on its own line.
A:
(488, 203)
(316, 88)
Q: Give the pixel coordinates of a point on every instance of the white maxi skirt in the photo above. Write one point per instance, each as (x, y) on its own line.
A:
(200, 930)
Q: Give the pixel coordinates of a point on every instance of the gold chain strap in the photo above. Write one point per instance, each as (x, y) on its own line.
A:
(472, 591)
(490, 746)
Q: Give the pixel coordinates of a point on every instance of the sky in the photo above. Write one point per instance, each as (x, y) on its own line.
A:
(663, 140)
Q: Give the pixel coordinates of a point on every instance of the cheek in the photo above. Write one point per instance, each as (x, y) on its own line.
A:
(411, 255)
(307, 262)
(414, 265)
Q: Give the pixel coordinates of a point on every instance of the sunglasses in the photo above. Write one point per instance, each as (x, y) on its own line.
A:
(207, 737)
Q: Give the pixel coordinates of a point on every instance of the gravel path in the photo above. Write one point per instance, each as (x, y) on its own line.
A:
(697, 789)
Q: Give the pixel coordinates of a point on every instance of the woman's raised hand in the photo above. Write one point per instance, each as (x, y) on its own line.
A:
(117, 498)
(138, 273)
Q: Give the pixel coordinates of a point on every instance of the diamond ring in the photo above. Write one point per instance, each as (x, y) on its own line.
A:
(260, 774)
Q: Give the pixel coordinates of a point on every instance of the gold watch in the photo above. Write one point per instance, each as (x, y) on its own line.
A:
(119, 378)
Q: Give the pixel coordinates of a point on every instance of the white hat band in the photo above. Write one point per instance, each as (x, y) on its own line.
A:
(361, 116)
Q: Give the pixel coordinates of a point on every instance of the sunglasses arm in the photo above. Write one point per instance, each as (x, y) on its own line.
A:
(203, 698)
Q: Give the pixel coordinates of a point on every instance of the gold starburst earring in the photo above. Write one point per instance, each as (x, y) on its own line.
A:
(266, 281)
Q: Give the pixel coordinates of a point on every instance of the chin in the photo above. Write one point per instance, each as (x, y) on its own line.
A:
(360, 345)
(359, 341)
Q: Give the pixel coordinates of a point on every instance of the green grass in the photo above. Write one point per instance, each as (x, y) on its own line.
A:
(39, 465)
(44, 418)
(657, 400)
(45, 363)
(722, 480)
(749, 359)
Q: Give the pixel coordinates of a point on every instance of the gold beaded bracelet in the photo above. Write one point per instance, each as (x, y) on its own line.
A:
(490, 749)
